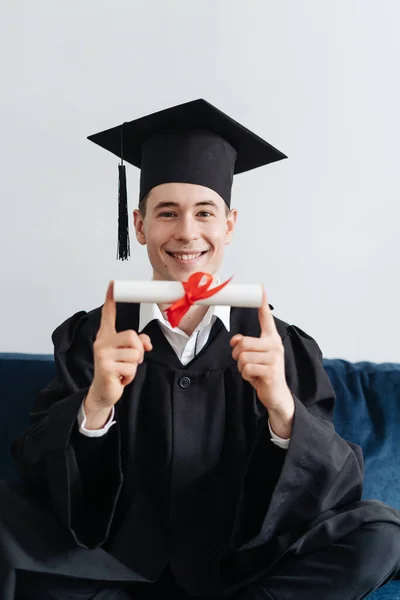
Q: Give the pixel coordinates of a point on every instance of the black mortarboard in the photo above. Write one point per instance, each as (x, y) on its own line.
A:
(189, 143)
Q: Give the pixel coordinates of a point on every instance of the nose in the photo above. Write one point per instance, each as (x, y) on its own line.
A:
(187, 230)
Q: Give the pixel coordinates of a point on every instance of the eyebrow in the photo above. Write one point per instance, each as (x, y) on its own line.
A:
(170, 204)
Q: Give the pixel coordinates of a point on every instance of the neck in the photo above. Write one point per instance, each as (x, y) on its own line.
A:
(191, 320)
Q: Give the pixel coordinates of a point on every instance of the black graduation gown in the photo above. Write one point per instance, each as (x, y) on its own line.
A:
(188, 475)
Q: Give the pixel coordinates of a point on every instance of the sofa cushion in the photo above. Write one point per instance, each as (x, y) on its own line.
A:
(368, 413)
(390, 591)
(22, 376)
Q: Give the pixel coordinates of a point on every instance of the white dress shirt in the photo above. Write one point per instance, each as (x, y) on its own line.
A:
(186, 348)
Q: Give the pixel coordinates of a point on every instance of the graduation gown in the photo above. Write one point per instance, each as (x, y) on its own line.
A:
(188, 475)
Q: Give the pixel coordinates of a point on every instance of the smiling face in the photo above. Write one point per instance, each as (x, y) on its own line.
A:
(185, 228)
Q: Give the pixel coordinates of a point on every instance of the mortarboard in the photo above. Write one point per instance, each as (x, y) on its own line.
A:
(193, 142)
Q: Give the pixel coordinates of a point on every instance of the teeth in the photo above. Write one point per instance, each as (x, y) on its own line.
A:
(186, 256)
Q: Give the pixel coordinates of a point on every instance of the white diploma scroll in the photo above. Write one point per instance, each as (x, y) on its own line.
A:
(162, 292)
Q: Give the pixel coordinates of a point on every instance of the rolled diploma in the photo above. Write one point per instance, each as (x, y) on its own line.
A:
(161, 292)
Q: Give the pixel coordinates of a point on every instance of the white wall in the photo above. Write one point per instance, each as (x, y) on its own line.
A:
(318, 79)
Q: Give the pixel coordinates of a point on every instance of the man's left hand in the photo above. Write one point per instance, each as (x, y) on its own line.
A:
(261, 362)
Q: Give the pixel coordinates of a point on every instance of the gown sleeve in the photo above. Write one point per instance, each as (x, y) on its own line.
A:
(284, 490)
(78, 478)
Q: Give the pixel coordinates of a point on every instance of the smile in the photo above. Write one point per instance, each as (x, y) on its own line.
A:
(185, 257)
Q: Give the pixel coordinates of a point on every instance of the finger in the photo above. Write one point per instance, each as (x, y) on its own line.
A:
(267, 322)
(128, 355)
(235, 339)
(127, 380)
(127, 372)
(251, 371)
(146, 341)
(256, 358)
(109, 311)
(128, 339)
(252, 344)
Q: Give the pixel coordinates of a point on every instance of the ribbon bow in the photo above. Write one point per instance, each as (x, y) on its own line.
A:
(193, 292)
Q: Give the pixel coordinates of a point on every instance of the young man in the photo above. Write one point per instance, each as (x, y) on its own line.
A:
(196, 461)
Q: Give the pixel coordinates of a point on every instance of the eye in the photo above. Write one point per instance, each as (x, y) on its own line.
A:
(166, 214)
(205, 213)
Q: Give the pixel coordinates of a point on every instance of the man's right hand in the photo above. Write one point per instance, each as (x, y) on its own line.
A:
(116, 359)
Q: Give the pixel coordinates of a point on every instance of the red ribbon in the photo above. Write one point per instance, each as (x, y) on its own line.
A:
(193, 292)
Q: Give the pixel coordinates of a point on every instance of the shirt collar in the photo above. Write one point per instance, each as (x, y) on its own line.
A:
(150, 312)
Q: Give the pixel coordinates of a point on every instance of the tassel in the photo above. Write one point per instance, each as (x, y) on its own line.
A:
(123, 224)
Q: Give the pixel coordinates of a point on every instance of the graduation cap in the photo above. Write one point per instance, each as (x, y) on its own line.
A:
(193, 142)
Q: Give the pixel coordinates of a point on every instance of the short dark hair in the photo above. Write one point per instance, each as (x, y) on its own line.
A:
(143, 206)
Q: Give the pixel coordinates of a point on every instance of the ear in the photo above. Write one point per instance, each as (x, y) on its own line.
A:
(138, 222)
(230, 225)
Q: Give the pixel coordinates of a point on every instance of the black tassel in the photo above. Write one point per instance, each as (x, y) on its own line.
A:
(123, 224)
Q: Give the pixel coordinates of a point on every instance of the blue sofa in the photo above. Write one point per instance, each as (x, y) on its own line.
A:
(367, 413)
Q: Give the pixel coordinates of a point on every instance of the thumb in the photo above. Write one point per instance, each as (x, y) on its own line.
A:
(235, 339)
(146, 341)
